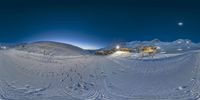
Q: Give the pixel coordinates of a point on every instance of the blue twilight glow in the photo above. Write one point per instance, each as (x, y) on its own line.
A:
(97, 23)
(84, 45)
(74, 38)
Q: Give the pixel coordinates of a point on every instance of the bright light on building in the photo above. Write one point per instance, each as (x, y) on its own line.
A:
(157, 47)
(117, 47)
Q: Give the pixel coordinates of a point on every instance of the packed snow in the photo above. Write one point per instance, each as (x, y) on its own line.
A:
(56, 71)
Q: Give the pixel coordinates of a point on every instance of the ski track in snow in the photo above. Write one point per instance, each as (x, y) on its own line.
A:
(29, 76)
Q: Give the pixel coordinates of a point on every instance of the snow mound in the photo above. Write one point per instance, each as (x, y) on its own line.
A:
(51, 48)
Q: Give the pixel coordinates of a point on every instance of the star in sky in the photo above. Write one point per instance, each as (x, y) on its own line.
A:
(180, 23)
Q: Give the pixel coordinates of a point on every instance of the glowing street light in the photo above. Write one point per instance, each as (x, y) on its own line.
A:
(117, 47)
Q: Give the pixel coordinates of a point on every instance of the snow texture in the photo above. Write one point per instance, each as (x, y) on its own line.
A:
(55, 71)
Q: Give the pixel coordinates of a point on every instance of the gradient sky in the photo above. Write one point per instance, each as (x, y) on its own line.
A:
(96, 23)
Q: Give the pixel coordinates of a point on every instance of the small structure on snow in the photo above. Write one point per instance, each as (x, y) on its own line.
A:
(148, 49)
(111, 51)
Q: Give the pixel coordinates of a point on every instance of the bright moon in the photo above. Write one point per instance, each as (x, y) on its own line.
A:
(180, 23)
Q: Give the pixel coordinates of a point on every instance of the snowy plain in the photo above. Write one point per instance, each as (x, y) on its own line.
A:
(55, 71)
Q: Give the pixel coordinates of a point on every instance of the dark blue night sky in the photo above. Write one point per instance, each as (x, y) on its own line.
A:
(94, 24)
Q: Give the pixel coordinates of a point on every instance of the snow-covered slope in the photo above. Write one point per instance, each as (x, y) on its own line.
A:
(27, 74)
(51, 48)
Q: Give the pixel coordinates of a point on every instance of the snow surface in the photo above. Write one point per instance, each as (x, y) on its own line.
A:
(51, 48)
(29, 73)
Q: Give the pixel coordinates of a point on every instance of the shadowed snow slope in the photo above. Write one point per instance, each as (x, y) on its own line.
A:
(35, 76)
(51, 48)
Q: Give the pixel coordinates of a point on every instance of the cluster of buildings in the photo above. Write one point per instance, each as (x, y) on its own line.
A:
(140, 49)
